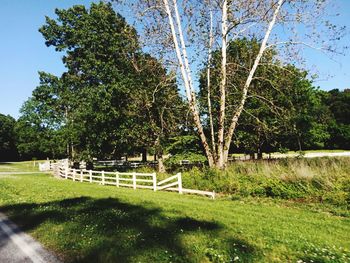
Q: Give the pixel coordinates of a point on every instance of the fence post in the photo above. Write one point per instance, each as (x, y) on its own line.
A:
(134, 180)
(179, 180)
(74, 174)
(117, 179)
(81, 175)
(90, 174)
(154, 182)
(66, 172)
(103, 177)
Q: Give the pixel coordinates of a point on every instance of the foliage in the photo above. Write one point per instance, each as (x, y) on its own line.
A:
(173, 161)
(83, 222)
(211, 25)
(339, 127)
(184, 144)
(98, 48)
(8, 151)
(38, 129)
(283, 109)
(113, 98)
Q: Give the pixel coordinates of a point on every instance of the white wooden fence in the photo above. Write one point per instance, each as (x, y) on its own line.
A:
(133, 180)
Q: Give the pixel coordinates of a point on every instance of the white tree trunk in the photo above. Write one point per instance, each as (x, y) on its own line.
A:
(185, 73)
(249, 80)
(211, 123)
(221, 161)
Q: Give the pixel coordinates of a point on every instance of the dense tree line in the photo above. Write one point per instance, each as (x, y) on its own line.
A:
(321, 122)
(115, 99)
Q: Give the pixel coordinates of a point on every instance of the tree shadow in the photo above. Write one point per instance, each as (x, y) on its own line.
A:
(4, 163)
(108, 230)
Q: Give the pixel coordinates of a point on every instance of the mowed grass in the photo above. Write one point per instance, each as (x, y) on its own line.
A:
(85, 222)
(29, 166)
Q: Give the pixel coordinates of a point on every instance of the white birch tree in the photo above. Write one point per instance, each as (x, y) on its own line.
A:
(190, 29)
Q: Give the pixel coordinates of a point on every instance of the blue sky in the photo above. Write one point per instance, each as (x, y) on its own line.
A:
(23, 52)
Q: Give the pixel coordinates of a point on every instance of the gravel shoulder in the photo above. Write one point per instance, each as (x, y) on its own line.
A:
(18, 247)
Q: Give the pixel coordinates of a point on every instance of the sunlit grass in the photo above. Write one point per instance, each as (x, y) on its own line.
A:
(28, 166)
(85, 222)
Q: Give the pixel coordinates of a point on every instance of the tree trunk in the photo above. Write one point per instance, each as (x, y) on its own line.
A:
(72, 151)
(221, 159)
(159, 155)
(299, 143)
(144, 155)
(249, 80)
(186, 75)
(161, 167)
(211, 122)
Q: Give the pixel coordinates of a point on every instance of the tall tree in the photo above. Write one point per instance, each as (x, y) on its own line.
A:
(181, 28)
(99, 55)
(8, 150)
(39, 128)
(113, 98)
(338, 103)
(158, 107)
(281, 97)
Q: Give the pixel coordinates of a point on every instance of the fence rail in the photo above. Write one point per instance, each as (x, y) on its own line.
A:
(125, 179)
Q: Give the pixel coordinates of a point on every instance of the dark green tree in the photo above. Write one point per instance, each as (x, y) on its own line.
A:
(113, 98)
(38, 131)
(8, 149)
(338, 103)
(99, 49)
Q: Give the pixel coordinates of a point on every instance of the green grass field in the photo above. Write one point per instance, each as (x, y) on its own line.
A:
(29, 166)
(85, 222)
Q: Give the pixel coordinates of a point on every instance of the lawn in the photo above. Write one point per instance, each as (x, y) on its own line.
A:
(84, 222)
(29, 166)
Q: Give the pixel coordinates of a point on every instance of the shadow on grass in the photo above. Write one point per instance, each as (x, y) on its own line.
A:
(107, 230)
(4, 163)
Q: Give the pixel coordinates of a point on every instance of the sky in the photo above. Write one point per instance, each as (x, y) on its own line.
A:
(23, 51)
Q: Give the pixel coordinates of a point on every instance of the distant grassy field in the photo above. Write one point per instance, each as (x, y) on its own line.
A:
(29, 166)
(84, 222)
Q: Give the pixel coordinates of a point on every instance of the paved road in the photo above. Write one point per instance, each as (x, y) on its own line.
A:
(18, 247)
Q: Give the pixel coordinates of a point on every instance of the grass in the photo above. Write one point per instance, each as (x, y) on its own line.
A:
(28, 166)
(322, 180)
(84, 222)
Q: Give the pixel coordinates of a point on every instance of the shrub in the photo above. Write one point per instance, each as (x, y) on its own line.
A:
(324, 179)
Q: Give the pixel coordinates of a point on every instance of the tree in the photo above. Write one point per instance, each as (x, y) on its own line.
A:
(158, 107)
(338, 103)
(113, 98)
(227, 20)
(99, 51)
(37, 130)
(8, 150)
(281, 97)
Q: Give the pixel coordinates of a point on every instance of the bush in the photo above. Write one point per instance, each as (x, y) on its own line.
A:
(173, 162)
(322, 179)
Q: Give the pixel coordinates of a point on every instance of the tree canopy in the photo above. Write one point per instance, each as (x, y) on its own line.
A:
(114, 98)
(8, 149)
